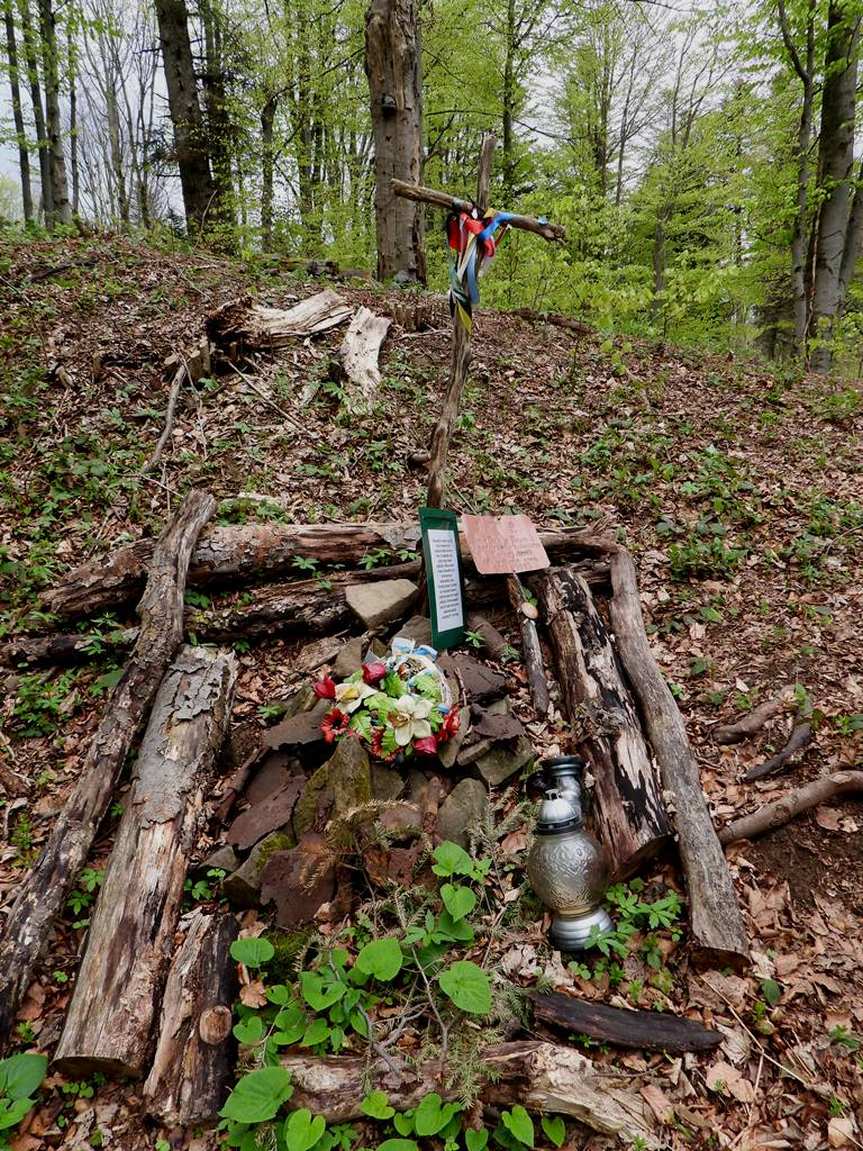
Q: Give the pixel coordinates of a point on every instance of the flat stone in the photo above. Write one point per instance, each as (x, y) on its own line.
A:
(502, 762)
(381, 601)
(299, 729)
(285, 881)
(417, 628)
(243, 888)
(340, 784)
(463, 807)
(447, 752)
(481, 683)
(387, 783)
(271, 776)
(224, 858)
(349, 659)
(496, 725)
(403, 822)
(270, 813)
(474, 751)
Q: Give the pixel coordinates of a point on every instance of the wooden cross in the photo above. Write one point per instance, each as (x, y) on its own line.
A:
(460, 359)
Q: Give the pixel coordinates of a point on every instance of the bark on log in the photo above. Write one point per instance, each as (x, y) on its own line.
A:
(161, 631)
(358, 356)
(531, 648)
(718, 934)
(187, 1083)
(540, 1076)
(244, 553)
(753, 722)
(629, 813)
(642, 1030)
(258, 327)
(109, 1023)
(775, 814)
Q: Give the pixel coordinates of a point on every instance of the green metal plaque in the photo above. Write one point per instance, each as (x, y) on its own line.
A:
(443, 576)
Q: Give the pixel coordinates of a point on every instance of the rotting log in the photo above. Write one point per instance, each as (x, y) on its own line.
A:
(358, 358)
(778, 813)
(628, 810)
(258, 327)
(45, 889)
(246, 553)
(641, 1030)
(109, 1022)
(718, 935)
(188, 1080)
(541, 1076)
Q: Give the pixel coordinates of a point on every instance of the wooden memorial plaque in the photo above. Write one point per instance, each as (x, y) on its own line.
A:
(504, 544)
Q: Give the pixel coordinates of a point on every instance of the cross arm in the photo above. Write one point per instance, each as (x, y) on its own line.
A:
(417, 192)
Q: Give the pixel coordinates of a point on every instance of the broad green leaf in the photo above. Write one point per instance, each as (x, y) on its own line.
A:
(249, 1031)
(771, 991)
(404, 1122)
(377, 1105)
(554, 1128)
(22, 1074)
(381, 958)
(476, 1140)
(301, 1131)
(398, 1145)
(252, 952)
(451, 859)
(279, 994)
(320, 994)
(290, 1024)
(459, 901)
(316, 1032)
(519, 1124)
(467, 986)
(258, 1096)
(432, 1115)
(13, 1111)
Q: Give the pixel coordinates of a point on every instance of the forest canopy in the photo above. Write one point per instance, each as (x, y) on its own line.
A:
(701, 159)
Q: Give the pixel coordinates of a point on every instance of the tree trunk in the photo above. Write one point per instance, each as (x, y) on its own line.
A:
(187, 1083)
(243, 553)
(109, 1022)
(218, 120)
(540, 1076)
(73, 124)
(836, 159)
(17, 114)
(628, 810)
(853, 238)
(268, 115)
(508, 105)
(394, 73)
(61, 209)
(38, 111)
(718, 934)
(190, 144)
(161, 631)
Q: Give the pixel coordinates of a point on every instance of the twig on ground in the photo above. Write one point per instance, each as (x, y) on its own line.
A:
(778, 813)
(180, 375)
(753, 722)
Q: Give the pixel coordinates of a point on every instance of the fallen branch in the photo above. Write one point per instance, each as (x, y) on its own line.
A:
(358, 357)
(246, 553)
(176, 384)
(753, 722)
(718, 934)
(642, 1030)
(44, 891)
(530, 646)
(570, 323)
(778, 813)
(541, 1076)
(110, 1018)
(800, 737)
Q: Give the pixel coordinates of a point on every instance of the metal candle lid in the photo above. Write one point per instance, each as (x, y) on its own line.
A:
(557, 813)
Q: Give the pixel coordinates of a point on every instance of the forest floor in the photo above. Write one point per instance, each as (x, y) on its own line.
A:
(739, 491)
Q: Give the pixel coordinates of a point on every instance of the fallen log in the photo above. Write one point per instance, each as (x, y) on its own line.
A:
(109, 1022)
(44, 891)
(773, 815)
(531, 648)
(257, 327)
(798, 740)
(628, 810)
(641, 1030)
(192, 1064)
(718, 934)
(246, 553)
(753, 722)
(358, 357)
(176, 384)
(540, 1076)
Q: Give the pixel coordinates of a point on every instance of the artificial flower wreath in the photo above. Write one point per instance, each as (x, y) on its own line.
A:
(396, 707)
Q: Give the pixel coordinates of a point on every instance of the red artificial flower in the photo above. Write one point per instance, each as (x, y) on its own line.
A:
(450, 725)
(334, 724)
(374, 672)
(325, 688)
(426, 746)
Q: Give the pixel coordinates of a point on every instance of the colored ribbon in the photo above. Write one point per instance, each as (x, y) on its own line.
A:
(472, 241)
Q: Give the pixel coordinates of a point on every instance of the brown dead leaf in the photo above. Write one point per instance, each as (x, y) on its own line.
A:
(253, 994)
(33, 1003)
(658, 1102)
(841, 1131)
(828, 818)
